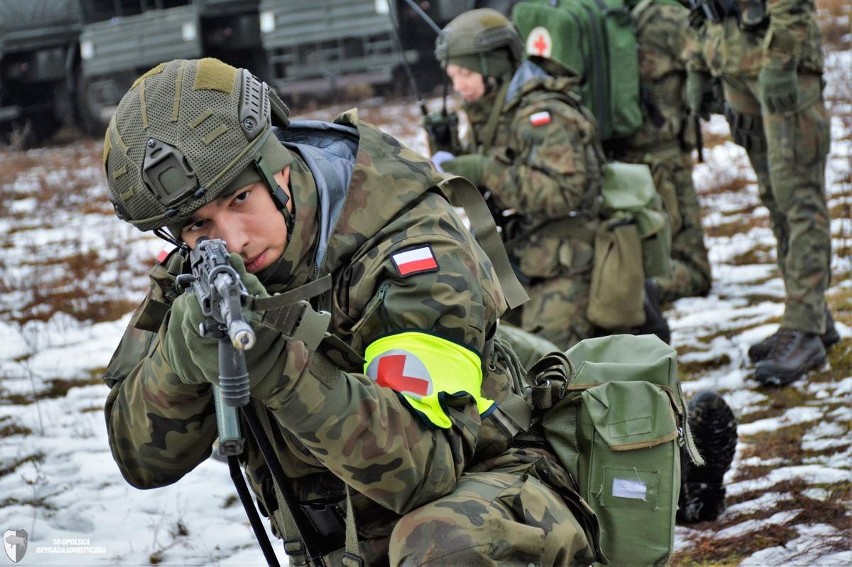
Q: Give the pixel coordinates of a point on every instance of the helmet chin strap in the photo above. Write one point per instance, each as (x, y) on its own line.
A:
(278, 195)
(168, 237)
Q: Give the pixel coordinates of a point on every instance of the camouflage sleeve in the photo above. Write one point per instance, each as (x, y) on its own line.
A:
(792, 25)
(543, 169)
(159, 428)
(367, 434)
(663, 37)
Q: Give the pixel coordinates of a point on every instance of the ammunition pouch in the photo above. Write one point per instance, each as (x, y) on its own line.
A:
(329, 522)
(746, 130)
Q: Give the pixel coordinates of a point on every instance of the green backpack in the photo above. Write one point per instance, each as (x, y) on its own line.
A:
(612, 410)
(597, 40)
(633, 243)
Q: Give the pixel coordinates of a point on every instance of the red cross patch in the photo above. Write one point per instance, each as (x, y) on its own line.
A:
(402, 372)
(539, 42)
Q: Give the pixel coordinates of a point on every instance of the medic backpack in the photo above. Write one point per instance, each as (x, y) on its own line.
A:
(597, 40)
(612, 410)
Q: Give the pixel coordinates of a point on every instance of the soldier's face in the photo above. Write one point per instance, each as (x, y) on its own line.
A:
(468, 84)
(247, 220)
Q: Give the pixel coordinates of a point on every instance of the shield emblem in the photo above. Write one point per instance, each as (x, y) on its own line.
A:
(15, 544)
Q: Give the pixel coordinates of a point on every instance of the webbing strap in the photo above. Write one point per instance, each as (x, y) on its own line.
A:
(465, 195)
(490, 129)
(567, 227)
(351, 558)
(292, 315)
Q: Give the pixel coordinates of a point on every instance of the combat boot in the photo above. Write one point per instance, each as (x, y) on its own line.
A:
(714, 430)
(793, 354)
(655, 322)
(830, 337)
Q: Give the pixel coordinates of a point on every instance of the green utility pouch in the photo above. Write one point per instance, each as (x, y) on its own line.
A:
(615, 297)
(618, 430)
(633, 243)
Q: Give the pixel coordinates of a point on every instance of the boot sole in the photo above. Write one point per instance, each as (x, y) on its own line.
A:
(716, 432)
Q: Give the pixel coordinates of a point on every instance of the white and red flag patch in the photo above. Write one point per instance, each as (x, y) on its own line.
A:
(415, 261)
(540, 118)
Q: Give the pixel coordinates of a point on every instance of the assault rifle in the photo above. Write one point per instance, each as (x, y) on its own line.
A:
(222, 297)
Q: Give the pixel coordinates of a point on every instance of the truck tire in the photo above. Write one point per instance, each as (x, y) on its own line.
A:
(96, 99)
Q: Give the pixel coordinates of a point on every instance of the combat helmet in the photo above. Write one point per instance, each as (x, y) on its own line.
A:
(186, 133)
(482, 40)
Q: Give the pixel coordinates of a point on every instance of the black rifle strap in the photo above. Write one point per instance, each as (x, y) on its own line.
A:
(251, 511)
(306, 543)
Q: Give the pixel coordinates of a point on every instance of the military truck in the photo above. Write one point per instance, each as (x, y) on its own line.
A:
(120, 39)
(38, 66)
(72, 60)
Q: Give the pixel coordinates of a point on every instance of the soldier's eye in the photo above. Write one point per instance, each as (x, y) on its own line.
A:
(194, 226)
(242, 196)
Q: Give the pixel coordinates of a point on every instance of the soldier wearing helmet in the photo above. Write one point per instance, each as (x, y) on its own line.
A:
(399, 405)
(534, 151)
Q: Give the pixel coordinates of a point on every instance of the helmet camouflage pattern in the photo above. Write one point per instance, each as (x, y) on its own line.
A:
(482, 40)
(187, 132)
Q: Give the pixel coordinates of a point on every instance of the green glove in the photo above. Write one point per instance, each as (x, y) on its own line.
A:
(697, 85)
(471, 166)
(779, 89)
(195, 359)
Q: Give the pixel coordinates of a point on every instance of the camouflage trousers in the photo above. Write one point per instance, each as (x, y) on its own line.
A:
(672, 171)
(788, 152)
(492, 518)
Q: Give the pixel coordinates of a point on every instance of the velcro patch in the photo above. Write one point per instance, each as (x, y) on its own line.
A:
(540, 118)
(415, 261)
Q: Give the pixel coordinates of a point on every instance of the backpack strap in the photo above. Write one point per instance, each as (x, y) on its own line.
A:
(490, 129)
(464, 194)
(291, 314)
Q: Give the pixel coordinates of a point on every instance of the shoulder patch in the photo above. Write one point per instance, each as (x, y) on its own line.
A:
(540, 118)
(415, 261)
(166, 253)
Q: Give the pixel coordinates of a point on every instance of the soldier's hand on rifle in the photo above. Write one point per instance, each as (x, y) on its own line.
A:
(442, 131)
(471, 166)
(779, 88)
(195, 358)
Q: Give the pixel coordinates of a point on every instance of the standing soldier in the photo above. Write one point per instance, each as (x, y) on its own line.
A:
(769, 56)
(665, 140)
(398, 405)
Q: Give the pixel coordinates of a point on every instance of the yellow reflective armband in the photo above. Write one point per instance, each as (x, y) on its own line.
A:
(425, 369)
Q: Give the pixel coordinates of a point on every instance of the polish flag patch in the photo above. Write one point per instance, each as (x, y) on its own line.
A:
(165, 253)
(540, 118)
(415, 261)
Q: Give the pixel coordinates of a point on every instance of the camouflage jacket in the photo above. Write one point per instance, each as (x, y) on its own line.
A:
(332, 424)
(785, 34)
(543, 163)
(665, 38)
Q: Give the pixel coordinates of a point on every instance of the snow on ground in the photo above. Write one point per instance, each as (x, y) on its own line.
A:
(58, 480)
